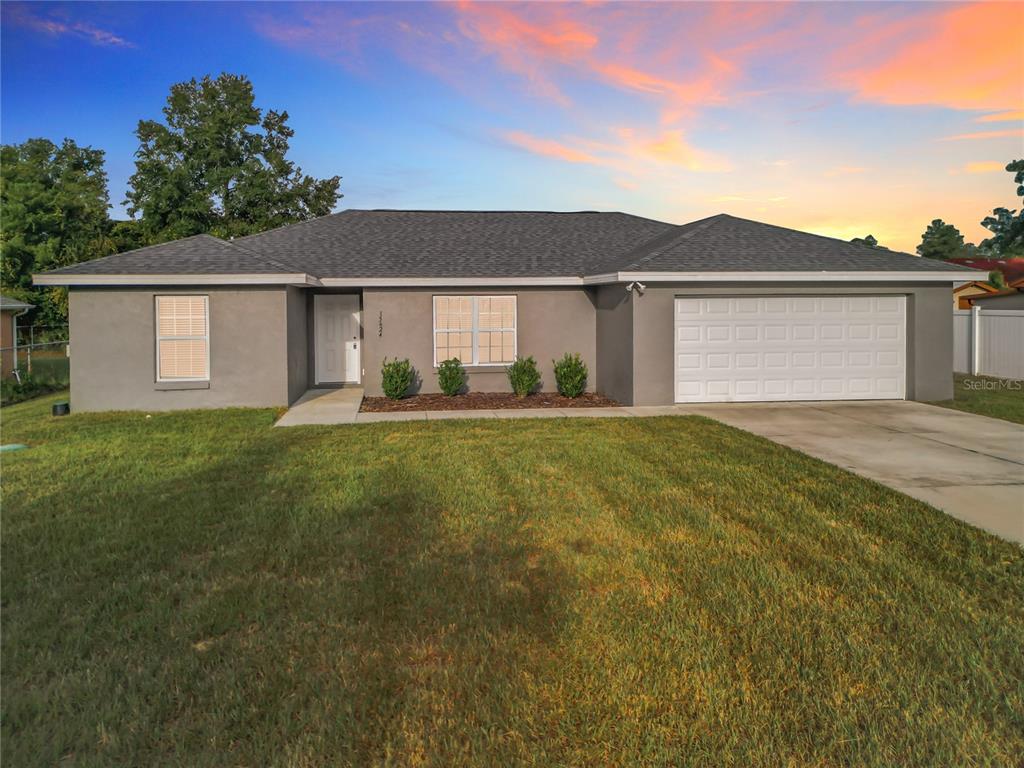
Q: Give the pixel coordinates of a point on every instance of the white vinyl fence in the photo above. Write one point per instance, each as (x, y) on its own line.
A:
(989, 342)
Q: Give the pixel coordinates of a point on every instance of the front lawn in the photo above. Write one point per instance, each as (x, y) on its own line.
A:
(199, 589)
(984, 395)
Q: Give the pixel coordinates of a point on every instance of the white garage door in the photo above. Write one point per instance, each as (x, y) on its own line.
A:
(790, 348)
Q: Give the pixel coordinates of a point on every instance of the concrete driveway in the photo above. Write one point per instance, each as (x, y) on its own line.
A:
(971, 467)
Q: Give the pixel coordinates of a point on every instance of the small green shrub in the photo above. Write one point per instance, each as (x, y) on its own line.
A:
(570, 375)
(451, 376)
(396, 377)
(12, 391)
(523, 376)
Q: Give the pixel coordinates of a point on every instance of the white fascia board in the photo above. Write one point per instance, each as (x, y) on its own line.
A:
(442, 282)
(787, 277)
(300, 278)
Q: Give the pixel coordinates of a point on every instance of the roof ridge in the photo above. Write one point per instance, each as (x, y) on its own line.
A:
(822, 237)
(260, 258)
(692, 228)
(662, 239)
(295, 224)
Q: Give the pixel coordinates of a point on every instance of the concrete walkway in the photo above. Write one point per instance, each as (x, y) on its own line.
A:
(971, 467)
(324, 406)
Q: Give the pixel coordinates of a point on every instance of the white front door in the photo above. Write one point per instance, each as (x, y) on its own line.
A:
(760, 348)
(336, 338)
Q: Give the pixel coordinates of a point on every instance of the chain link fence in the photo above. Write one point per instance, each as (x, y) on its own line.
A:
(39, 354)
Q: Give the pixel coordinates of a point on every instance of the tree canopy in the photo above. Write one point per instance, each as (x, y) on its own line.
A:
(870, 241)
(1007, 226)
(941, 241)
(53, 212)
(218, 164)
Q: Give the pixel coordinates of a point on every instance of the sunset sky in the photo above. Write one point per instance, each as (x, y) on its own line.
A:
(842, 119)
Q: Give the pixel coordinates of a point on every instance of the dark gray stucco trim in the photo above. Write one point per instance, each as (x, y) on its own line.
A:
(929, 332)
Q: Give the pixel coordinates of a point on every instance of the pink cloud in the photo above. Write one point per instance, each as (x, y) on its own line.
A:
(19, 14)
(550, 148)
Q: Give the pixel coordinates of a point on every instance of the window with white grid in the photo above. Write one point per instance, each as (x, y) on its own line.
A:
(478, 330)
(182, 338)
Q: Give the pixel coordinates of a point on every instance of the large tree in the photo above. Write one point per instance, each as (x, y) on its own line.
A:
(218, 164)
(941, 241)
(53, 212)
(1007, 226)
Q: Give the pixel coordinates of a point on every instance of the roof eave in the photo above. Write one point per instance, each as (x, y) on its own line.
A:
(84, 279)
(764, 276)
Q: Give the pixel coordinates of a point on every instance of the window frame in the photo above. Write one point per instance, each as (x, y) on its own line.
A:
(157, 338)
(475, 326)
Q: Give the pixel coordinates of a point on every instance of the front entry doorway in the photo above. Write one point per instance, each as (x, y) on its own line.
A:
(336, 338)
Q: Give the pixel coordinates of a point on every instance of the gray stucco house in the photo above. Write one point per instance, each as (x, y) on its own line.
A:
(721, 309)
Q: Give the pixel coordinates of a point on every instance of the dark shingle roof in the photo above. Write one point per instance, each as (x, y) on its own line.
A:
(454, 243)
(6, 302)
(726, 243)
(440, 244)
(196, 255)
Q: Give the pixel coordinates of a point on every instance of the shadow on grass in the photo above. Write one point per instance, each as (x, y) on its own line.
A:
(257, 607)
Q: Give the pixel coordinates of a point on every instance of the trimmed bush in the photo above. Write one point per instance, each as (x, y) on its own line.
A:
(523, 376)
(396, 377)
(570, 375)
(451, 376)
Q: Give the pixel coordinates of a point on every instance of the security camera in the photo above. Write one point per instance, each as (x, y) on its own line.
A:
(638, 286)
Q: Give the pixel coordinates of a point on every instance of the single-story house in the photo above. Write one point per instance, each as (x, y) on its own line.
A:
(721, 309)
(964, 294)
(10, 310)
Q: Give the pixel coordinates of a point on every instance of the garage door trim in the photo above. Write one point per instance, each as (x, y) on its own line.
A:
(789, 347)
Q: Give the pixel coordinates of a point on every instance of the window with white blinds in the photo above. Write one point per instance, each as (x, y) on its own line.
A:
(478, 330)
(182, 338)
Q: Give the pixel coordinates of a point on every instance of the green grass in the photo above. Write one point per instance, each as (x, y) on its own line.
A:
(50, 373)
(199, 589)
(987, 396)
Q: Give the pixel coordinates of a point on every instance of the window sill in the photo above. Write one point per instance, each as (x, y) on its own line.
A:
(500, 368)
(171, 386)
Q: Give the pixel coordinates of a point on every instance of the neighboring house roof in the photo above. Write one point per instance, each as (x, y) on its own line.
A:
(1012, 268)
(976, 285)
(353, 247)
(196, 255)
(7, 303)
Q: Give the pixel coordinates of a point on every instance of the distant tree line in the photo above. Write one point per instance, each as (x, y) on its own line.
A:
(944, 241)
(216, 163)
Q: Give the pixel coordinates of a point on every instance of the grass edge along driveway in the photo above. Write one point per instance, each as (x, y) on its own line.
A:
(198, 588)
(987, 396)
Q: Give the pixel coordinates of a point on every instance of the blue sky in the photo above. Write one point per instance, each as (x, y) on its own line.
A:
(838, 118)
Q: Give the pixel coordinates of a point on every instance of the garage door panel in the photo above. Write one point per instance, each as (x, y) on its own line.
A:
(790, 348)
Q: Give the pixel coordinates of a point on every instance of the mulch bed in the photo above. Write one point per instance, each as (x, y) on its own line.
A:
(484, 401)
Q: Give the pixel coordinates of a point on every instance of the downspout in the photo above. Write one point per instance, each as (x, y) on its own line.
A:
(14, 341)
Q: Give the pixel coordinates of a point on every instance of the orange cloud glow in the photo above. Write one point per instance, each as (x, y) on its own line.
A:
(549, 148)
(628, 152)
(986, 135)
(970, 57)
(986, 166)
(1002, 117)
